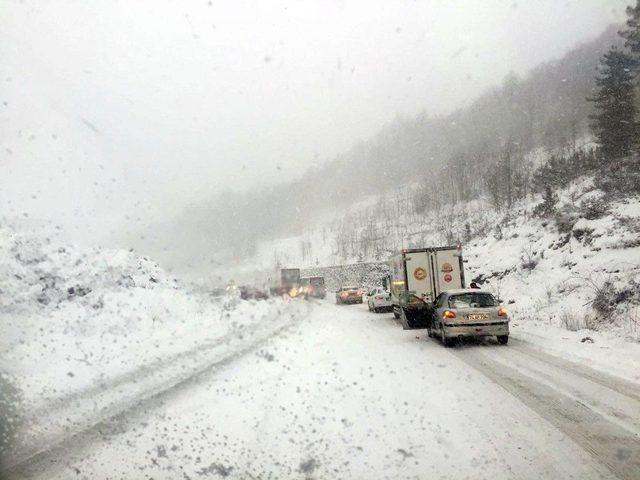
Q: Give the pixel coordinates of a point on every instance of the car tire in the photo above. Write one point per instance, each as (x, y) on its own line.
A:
(503, 339)
(410, 320)
(376, 310)
(447, 342)
(396, 314)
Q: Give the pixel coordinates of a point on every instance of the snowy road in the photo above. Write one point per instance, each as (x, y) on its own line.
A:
(347, 394)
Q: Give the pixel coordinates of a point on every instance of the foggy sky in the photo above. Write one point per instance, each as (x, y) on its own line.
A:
(115, 112)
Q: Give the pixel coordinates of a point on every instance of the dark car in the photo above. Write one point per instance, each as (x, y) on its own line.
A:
(313, 287)
(252, 293)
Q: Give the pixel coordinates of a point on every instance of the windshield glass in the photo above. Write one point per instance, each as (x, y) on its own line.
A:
(224, 225)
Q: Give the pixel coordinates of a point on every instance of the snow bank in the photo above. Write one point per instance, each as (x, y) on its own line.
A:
(78, 323)
(579, 275)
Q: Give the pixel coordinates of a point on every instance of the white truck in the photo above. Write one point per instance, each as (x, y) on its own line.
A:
(417, 276)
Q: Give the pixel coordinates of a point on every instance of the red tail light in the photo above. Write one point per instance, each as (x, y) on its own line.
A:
(449, 314)
(502, 312)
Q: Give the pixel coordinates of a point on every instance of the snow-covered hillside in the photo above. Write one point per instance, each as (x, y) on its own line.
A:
(84, 330)
(578, 268)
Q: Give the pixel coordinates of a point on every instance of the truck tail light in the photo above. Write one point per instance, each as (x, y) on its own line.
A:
(449, 314)
(502, 312)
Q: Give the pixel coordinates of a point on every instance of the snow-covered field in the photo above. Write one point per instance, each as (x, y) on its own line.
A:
(113, 369)
(84, 331)
(345, 393)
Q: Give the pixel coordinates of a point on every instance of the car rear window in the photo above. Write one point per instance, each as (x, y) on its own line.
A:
(472, 300)
(317, 282)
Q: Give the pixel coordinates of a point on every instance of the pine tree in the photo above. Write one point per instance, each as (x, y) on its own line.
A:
(614, 123)
(632, 34)
(548, 205)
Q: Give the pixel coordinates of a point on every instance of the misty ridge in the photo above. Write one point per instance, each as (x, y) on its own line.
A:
(455, 154)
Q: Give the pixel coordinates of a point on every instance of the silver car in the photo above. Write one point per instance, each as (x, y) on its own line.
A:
(468, 313)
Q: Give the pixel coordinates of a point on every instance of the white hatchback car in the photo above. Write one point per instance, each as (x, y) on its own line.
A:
(379, 300)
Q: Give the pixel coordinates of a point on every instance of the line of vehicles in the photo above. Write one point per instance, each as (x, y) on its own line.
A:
(425, 288)
(291, 284)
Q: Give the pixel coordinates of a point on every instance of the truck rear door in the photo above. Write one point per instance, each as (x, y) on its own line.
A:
(418, 277)
(447, 270)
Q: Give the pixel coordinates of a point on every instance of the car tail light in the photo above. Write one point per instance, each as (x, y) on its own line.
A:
(502, 312)
(449, 314)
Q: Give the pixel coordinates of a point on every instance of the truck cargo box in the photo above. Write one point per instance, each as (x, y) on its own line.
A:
(417, 277)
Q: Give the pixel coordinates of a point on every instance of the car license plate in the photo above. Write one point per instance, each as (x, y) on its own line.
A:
(477, 316)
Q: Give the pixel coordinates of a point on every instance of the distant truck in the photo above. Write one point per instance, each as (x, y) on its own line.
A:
(313, 287)
(417, 277)
(289, 281)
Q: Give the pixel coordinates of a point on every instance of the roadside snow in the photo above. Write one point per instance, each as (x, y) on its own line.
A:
(344, 394)
(587, 277)
(599, 351)
(86, 329)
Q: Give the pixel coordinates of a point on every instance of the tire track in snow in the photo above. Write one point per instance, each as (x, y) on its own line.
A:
(603, 399)
(25, 464)
(608, 442)
(612, 382)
